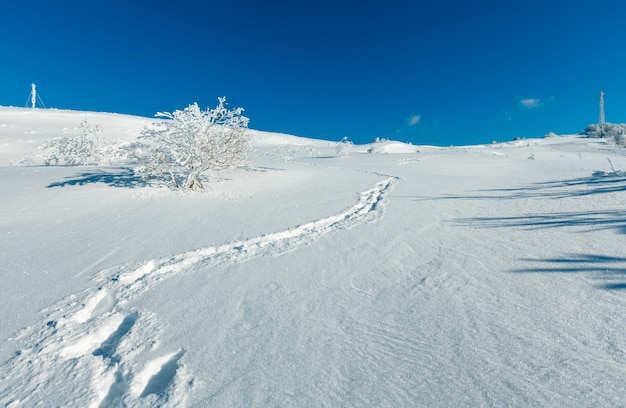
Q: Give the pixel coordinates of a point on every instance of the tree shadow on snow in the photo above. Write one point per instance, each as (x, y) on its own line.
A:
(598, 183)
(114, 177)
(592, 220)
(608, 268)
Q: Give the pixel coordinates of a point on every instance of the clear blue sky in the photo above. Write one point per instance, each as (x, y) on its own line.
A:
(428, 72)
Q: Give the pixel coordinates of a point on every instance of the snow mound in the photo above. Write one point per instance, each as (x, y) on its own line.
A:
(392, 147)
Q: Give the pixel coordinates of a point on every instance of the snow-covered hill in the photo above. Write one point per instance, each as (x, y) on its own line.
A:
(487, 275)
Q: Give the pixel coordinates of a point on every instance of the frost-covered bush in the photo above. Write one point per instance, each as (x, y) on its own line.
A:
(616, 131)
(291, 151)
(376, 146)
(286, 152)
(87, 149)
(191, 142)
(343, 147)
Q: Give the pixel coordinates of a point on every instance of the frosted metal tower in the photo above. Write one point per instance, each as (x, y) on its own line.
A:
(601, 108)
(33, 95)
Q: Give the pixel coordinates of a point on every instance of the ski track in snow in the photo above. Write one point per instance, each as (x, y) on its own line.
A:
(108, 355)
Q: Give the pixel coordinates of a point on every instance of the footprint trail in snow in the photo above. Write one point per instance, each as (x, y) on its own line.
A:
(91, 350)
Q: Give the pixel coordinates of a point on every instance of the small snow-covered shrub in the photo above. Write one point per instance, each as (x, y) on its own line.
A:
(343, 146)
(377, 146)
(191, 142)
(25, 160)
(607, 130)
(87, 149)
(620, 139)
(291, 151)
(286, 152)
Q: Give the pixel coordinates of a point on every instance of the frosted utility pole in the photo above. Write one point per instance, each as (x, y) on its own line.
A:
(33, 95)
(601, 108)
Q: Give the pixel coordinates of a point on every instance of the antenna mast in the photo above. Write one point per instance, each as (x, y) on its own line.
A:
(601, 108)
(33, 95)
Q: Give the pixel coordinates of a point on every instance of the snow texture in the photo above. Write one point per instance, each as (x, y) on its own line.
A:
(388, 275)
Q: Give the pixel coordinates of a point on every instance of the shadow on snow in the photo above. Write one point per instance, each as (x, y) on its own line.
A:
(115, 177)
(605, 267)
(126, 177)
(599, 183)
(608, 268)
(592, 220)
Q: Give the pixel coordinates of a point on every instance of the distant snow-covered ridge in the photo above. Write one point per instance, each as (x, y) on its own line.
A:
(23, 129)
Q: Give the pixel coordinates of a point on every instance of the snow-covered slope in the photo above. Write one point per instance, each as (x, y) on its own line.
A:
(409, 276)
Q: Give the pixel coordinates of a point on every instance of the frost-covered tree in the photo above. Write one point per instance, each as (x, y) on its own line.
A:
(191, 142)
(616, 131)
(343, 147)
(87, 149)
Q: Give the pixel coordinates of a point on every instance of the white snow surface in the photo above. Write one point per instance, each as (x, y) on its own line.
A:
(479, 276)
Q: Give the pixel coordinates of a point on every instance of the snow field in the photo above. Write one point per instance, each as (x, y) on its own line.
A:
(465, 276)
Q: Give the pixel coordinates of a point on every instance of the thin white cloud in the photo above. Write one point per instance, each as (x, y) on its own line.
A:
(521, 107)
(530, 103)
(411, 121)
(414, 120)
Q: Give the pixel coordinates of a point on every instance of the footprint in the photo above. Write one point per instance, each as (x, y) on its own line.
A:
(105, 304)
(134, 276)
(99, 304)
(115, 393)
(109, 346)
(156, 377)
(92, 339)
